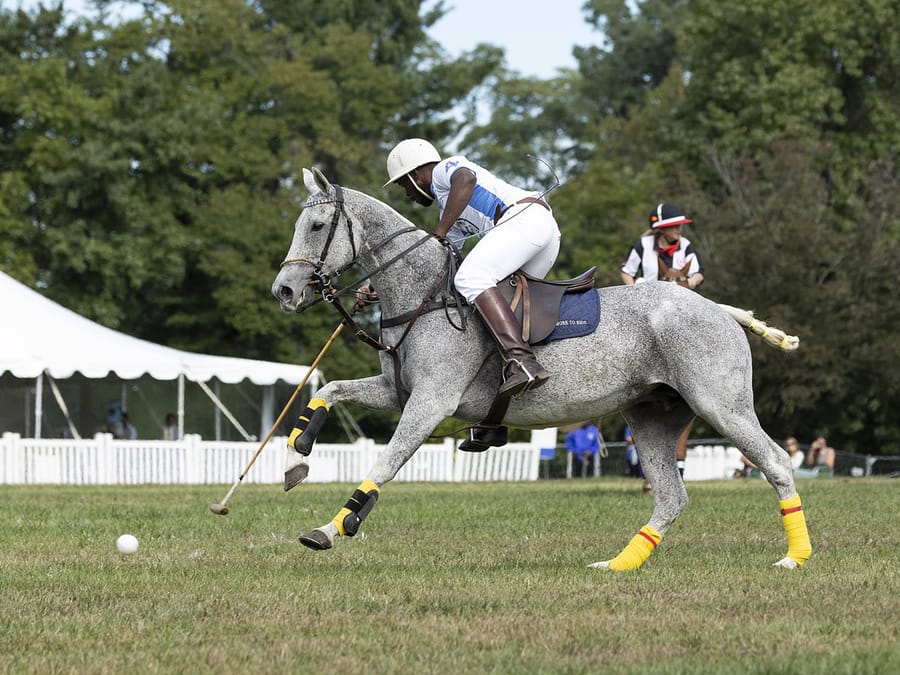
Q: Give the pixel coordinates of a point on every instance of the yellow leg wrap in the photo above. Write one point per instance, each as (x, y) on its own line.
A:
(338, 520)
(799, 546)
(638, 550)
(317, 403)
(359, 504)
(303, 423)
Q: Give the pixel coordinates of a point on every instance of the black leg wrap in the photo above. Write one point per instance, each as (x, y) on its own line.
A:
(303, 436)
(483, 438)
(359, 505)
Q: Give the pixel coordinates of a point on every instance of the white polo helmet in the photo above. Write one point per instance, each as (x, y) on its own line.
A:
(409, 155)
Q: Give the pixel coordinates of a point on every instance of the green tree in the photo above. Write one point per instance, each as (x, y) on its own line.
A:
(150, 164)
(776, 126)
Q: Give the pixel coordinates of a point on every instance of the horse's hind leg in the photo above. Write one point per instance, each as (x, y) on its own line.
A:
(656, 427)
(745, 432)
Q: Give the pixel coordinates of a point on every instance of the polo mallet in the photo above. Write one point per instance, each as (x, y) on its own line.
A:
(220, 509)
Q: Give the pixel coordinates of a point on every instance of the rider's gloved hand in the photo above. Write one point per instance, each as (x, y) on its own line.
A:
(365, 295)
(450, 246)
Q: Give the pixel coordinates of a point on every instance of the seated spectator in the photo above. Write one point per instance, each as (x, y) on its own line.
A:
(792, 447)
(129, 432)
(170, 430)
(821, 455)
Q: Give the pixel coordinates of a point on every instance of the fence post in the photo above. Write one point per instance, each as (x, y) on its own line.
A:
(12, 461)
(196, 459)
(445, 461)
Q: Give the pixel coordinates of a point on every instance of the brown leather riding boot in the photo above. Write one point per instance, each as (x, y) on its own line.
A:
(521, 370)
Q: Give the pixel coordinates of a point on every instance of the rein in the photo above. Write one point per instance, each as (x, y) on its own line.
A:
(332, 295)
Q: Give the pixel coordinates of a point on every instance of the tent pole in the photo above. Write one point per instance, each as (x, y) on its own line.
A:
(38, 404)
(217, 414)
(221, 406)
(181, 405)
(267, 414)
(61, 402)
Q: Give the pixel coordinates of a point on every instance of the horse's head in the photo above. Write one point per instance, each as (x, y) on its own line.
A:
(324, 245)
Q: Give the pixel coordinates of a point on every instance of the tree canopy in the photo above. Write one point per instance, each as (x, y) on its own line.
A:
(148, 165)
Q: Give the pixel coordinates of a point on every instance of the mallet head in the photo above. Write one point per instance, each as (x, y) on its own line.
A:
(219, 509)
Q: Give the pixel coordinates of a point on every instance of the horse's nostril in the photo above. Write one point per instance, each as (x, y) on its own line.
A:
(285, 293)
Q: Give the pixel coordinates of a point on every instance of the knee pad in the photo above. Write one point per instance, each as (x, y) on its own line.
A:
(358, 506)
(308, 426)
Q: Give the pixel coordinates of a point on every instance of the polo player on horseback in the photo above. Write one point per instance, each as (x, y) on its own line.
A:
(517, 231)
(662, 253)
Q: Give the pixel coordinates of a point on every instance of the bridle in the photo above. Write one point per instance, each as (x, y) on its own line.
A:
(322, 281)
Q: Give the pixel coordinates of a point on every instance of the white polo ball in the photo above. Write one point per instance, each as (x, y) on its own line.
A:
(127, 544)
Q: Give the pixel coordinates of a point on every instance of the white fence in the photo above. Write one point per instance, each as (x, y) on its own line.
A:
(104, 461)
(711, 462)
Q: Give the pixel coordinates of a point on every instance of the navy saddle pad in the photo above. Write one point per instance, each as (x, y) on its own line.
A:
(579, 314)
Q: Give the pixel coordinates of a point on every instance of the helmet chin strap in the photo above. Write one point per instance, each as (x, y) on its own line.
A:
(422, 192)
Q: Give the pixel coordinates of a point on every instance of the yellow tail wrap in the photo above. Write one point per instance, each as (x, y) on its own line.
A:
(799, 546)
(358, 506)
(638, 550)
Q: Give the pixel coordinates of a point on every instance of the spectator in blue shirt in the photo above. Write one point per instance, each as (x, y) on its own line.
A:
(583, 443)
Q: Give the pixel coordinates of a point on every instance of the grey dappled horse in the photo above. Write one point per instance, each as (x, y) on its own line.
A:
(661, 355)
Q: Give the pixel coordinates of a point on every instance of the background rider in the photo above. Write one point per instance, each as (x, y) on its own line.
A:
(663, 254)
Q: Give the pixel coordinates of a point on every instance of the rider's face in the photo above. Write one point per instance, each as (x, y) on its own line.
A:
(671, 234)
(412, 193)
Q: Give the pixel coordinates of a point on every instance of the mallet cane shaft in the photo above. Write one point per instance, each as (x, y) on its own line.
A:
(220, 508)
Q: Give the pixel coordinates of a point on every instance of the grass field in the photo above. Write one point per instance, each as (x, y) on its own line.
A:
(444, 578)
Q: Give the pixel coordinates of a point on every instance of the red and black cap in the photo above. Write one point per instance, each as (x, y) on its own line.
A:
(667, 215)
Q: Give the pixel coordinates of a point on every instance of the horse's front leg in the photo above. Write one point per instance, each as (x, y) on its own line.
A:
(423, 412)
(377, 393)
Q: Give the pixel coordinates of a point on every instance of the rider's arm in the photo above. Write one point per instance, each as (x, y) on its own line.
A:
(627, 279)
(695, 280)
(462, 185)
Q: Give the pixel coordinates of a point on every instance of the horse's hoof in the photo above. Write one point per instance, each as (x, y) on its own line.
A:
(317, 540)
(295, 475)
(295, 469)
(787, 563)
(602, 565)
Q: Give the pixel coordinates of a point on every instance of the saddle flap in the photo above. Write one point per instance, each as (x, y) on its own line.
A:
(535, 302)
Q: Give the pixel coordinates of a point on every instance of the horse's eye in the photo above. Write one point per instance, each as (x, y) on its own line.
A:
(318, 225)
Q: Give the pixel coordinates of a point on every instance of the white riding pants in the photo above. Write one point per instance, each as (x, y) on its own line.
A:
(526, 238)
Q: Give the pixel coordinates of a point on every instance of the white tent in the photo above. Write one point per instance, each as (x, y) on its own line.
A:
(41, 337)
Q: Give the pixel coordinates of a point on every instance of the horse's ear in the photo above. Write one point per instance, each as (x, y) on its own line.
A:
(316, 182)
(309, 180)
